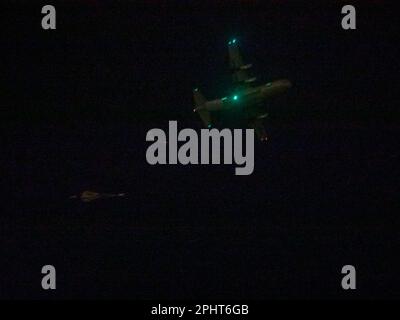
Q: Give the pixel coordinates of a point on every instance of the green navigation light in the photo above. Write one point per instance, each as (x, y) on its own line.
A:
(235, 97)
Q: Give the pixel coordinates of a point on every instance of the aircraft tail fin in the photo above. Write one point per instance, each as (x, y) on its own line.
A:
(199, 101)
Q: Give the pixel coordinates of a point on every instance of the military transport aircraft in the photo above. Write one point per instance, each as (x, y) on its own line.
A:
(247, 96)
(89, 195)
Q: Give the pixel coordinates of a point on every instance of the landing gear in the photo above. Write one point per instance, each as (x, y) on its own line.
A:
(264, 138)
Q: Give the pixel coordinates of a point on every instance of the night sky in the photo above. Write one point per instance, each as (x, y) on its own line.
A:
(77, 103)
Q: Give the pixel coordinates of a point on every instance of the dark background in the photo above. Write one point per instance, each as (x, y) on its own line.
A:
(77, 103)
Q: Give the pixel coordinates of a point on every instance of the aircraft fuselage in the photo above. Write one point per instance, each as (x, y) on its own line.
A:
(248, 98)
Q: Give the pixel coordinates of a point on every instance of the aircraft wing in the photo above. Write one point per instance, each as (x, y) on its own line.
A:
(240, 74)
